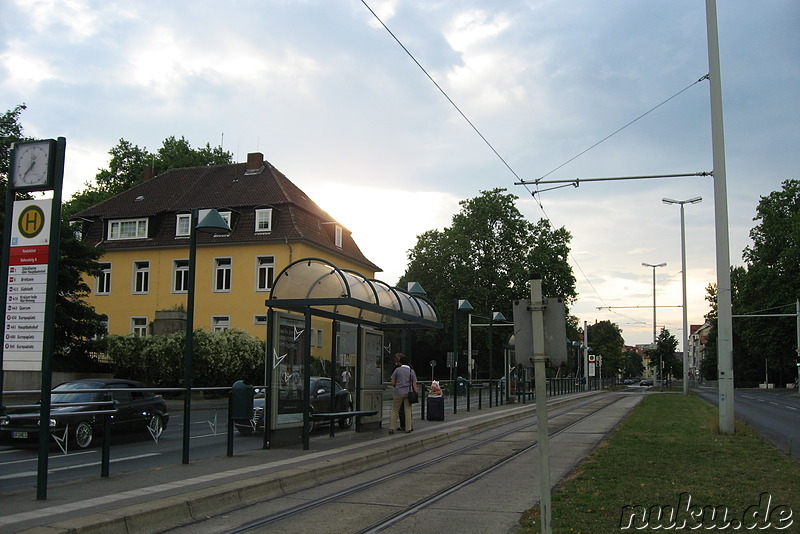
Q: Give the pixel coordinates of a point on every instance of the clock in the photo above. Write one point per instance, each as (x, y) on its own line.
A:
(32, 168)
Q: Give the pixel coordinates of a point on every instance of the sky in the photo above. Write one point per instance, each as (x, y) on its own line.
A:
(329, 97)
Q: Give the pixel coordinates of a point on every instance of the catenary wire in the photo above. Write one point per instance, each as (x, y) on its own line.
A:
(503, 160)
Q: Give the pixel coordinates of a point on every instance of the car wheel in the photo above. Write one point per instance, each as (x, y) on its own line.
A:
(155, 426)
(83, 434)
(244, 428)
(346, 422)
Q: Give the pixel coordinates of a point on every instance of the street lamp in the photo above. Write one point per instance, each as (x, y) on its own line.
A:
(694, 200)
(494, 317)
(458, 304)
(208, 221)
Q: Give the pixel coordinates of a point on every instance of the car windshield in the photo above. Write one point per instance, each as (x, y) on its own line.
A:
(73, 395)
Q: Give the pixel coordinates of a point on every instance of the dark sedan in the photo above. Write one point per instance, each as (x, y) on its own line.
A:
(77, 410)
(320, 403)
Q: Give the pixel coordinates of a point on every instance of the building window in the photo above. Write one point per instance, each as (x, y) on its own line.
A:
(139, 326)
(220, 323)
(338, 236)
(182, 225)
(265, 272)
(180, 276)
(226, 216)
(141, 277)
(103, 282)
(316, 337)
(264, 220)
(127, 229)
(259, 319)
(222, 274)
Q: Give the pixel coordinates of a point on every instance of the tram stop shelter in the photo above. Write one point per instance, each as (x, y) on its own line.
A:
(327, 322)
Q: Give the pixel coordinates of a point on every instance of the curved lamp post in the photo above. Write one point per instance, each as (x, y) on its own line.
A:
(207, 221)
(694, 200)
(464, 305)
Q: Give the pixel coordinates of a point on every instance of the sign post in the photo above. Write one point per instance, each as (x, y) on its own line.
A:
(30, 266)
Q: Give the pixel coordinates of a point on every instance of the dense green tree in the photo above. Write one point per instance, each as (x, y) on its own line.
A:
(487, 256)
(768, 284)
(632, 366)
(605, 338)
(663, 359)
(10, 132)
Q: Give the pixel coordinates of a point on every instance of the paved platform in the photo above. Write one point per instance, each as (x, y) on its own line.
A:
(158, 499)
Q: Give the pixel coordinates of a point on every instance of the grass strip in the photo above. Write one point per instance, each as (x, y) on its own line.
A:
(667, 457)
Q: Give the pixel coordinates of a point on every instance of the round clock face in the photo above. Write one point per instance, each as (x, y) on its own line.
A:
(31, 164)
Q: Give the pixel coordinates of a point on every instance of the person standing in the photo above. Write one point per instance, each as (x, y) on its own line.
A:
(403, 380)
(346, 376)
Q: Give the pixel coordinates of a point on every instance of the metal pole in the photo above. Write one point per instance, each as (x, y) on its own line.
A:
(797, 310)
(491, 319)
(469, 347)
(187, 362)
(539, 359)
(585, 356)
(654, 306)
(685, 378)
(724, 313)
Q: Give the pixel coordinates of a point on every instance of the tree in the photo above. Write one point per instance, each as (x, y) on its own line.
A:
(663, 359)
(605, 338)
(10, 132)
(632, 365)
(768, 284)
(487, 256)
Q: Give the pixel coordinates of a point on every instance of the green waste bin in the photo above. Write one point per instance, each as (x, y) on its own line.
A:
(242, 400)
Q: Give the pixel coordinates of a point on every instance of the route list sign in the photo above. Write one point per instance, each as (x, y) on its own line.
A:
(26, 289)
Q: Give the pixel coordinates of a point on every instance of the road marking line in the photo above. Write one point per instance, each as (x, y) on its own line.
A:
(70, 467)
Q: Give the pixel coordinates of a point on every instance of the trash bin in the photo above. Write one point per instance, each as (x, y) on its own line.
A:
(435, 409)
(241, 400)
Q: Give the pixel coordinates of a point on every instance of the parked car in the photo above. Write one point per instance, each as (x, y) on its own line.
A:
(72, 417)
(320, 403)
(647, 383)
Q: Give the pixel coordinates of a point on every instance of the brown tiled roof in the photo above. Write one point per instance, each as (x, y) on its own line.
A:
(295, 217)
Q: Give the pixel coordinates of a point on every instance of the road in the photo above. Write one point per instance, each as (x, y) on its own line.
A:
(773, 413)
(18, 465)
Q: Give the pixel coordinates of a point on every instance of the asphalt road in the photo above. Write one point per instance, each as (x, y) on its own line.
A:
(773, 413)
(129, 452)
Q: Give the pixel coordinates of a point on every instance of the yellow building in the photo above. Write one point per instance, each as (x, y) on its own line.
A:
(145, 234)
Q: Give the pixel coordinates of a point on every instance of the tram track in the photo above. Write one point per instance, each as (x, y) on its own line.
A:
(492, 449)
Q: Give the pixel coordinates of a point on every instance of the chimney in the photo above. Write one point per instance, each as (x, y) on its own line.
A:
(255, 163)
(148, 173)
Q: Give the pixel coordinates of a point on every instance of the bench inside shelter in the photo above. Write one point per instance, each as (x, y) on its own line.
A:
(331, 416)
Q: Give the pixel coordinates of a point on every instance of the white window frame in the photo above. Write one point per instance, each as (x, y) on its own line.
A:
(102, 283)
(263, 220)
(220, 323)
(141, 277)
(267, 264)
(259, 319)
(226, 216)
(223, 267)
(337, 239)
(183, 219)
(139, 326)
(316, 337)
(116, 227)
(180, 272)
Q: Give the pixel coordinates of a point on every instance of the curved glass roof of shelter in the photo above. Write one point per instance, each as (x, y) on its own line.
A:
(345, 295)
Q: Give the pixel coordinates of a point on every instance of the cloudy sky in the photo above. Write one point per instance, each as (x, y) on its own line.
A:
(331, 99)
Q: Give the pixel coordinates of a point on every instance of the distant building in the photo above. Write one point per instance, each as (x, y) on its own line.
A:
(145, 234)
(698, 340)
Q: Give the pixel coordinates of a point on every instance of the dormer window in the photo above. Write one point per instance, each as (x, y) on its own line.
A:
(264, 220)
(127, 229)
(338, 236)
(182, 224)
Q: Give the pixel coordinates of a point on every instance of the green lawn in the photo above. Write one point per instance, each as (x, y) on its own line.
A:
(668, 454)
